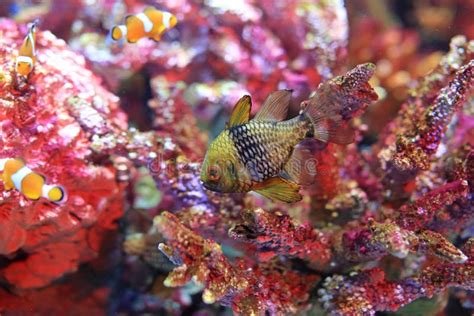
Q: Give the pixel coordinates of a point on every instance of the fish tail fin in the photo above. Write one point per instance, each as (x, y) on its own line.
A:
(327, 123)
(54, 193)
(337, 101)
(118, 32)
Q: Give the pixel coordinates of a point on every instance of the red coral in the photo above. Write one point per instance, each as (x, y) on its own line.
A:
(267, 287)
(276, 234)
(422, 211)
(53, 139)
(432, 103)
(78, 296)
(360, 293)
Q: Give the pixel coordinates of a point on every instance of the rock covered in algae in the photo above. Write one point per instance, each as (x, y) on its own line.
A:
(48, 121)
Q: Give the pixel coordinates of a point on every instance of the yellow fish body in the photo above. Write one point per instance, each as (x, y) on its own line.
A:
(27, 55)
(15, 174)
(152, 23)
(263, 154)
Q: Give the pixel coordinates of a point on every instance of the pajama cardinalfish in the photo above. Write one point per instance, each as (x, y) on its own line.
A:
(264, 154)
(15, 174)
(152, 23)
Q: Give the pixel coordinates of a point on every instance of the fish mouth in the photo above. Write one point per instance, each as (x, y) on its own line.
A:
(209, 186)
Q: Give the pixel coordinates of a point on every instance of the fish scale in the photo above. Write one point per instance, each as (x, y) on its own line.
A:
(265, 147)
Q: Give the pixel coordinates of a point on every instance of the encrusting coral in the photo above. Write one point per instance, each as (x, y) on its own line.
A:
(38, 125)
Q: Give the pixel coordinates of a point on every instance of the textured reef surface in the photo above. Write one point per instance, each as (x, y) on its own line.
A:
(387, 226)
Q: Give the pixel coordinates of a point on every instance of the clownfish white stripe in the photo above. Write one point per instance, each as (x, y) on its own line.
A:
(24, 59)
(166, 19)
(45, 190)
(147, 24)
(123, 29)
(2, 163)
(18, 176)
(32, 41)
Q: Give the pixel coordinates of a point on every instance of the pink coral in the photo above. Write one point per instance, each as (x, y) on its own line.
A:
(44, 124)
(360, 293)
(249, 289)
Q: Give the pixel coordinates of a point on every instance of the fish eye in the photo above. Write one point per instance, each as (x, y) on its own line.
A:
(214, 173)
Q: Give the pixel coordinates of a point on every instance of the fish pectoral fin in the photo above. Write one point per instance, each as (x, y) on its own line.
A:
(241, 112)
(279, 189)
(158, 34)
(129, 19)
(7, 183)
(301, 167)
(275, 107)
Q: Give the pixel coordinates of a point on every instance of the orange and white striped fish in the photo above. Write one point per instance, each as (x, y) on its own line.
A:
(15, 174)
(27, 55)
(152, 23)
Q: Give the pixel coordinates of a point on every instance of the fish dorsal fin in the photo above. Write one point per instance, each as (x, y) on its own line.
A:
(275, 107)
(279, 189)
(150, 9)
(32, 37)
(241, 112)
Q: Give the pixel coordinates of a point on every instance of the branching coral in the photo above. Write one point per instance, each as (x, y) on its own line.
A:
(365, 292)
(397, 231)
(250, 289)
(276, 234)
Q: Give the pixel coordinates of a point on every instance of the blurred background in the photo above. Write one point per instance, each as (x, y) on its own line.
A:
(404, 38)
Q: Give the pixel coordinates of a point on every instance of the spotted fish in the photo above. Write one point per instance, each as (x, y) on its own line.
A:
(264, 154)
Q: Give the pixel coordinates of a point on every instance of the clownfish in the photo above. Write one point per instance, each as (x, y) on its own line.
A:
(15, 174)
(152, 23)
(27, 55)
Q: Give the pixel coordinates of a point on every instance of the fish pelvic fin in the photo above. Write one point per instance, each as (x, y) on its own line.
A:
(241, 112)
(275, 107)
(279, 189)
(157, 37)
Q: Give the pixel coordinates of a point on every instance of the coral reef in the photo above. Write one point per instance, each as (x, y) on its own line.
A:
(45, 121)
(387, 223)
